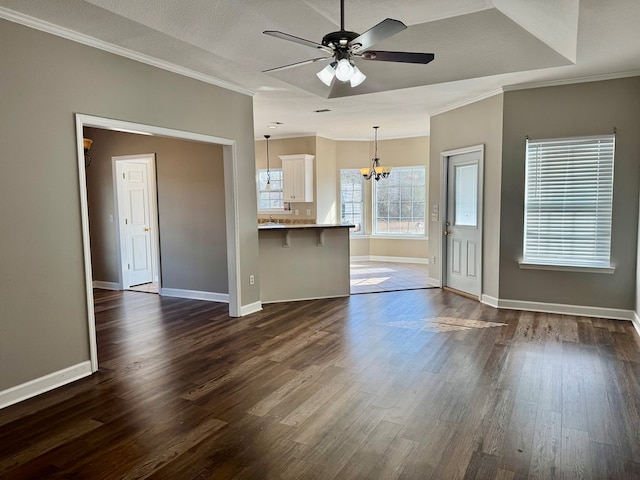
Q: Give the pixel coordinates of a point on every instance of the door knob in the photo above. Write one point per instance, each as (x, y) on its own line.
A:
(147, 229)
(447, 232)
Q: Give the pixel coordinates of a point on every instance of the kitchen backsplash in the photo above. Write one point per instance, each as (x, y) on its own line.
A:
(289, 221)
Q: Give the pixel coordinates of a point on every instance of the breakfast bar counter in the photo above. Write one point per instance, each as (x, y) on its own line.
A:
(303, 261)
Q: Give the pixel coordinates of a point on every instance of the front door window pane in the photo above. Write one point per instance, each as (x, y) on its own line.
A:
(466, 203)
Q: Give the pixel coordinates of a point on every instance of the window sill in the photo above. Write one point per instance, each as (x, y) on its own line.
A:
(400, 237)
(357, 236)
(566, 268)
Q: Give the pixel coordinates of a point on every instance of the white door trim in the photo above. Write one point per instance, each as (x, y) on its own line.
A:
(444, 169)
(150, 160)
(231, 201)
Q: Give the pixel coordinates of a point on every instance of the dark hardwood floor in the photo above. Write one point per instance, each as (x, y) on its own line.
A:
(420, 384)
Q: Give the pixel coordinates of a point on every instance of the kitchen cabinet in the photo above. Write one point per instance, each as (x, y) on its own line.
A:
(297, 177)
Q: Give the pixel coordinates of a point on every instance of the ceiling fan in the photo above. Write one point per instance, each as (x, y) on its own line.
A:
(344, 46)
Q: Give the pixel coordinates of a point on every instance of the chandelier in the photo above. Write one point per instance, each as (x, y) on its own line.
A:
(375, 170)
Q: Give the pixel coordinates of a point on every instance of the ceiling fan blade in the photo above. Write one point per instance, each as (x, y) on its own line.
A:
(376, 34)
(297, 64)
(301, 41)
(403, 57)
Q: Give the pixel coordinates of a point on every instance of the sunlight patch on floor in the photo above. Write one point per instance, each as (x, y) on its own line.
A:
(369, 281)
(373, 277)
(442, 324)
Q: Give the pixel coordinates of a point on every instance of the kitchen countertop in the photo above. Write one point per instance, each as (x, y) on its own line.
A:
(285, 226)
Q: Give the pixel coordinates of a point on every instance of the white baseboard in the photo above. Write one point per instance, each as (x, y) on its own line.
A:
(106, 285)
(251, 308)
(380, 258)
(559, 308)
(636, 322)
(488, 300)
(44, 384)
(434, 282)
(195, 295)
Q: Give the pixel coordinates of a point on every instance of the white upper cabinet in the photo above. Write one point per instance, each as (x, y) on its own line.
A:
(297, 177)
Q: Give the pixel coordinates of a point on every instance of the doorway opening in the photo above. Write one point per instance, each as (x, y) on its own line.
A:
(230, 208)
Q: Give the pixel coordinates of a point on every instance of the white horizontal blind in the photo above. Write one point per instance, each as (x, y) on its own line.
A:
(568, 201)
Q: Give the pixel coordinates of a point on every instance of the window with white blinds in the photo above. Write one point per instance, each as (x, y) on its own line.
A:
(568, 201)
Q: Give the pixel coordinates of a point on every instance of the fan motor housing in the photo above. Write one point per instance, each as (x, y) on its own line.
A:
(339, 40)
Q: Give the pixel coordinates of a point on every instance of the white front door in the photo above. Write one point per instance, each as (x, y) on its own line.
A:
(463, 228)
(137, 253)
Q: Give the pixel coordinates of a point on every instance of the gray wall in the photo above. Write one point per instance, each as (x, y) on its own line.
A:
(478, 123)
(190, 187)
(637, 292)
(565, 111)
(44, 81)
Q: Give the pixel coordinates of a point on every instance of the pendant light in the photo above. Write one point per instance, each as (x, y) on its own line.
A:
(375, 170)
(268, 185)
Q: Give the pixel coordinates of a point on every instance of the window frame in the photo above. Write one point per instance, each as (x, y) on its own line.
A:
(281, 210)
(374, 203)
(597, 151)
(352, 232)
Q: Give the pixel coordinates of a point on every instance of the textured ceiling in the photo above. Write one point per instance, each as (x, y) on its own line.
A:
(480, 46)
(477, 50)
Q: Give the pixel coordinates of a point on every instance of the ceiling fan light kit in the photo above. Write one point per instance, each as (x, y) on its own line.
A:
(345, 46)
(350, 73)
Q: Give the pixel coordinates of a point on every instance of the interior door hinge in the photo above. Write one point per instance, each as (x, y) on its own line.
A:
(128, 266)
(123, 177)
(126, 221)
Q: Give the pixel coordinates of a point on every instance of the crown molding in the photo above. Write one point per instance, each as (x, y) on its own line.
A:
(542, 84)
(468, 101)
(341, 139)
(368, 138)
(286, 136)
(571, 81)
(37, 24)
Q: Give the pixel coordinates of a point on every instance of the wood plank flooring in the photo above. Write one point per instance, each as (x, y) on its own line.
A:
(419, 384)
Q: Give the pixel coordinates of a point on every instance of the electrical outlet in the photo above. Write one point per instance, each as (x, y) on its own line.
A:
(296, 212)
(252, 280)
(308, 212)
(433, 260)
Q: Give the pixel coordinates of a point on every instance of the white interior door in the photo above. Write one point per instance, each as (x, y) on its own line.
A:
(135, 222)
(463, 228)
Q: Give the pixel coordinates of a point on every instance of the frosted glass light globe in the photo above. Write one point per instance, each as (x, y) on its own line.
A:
(344, 70)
